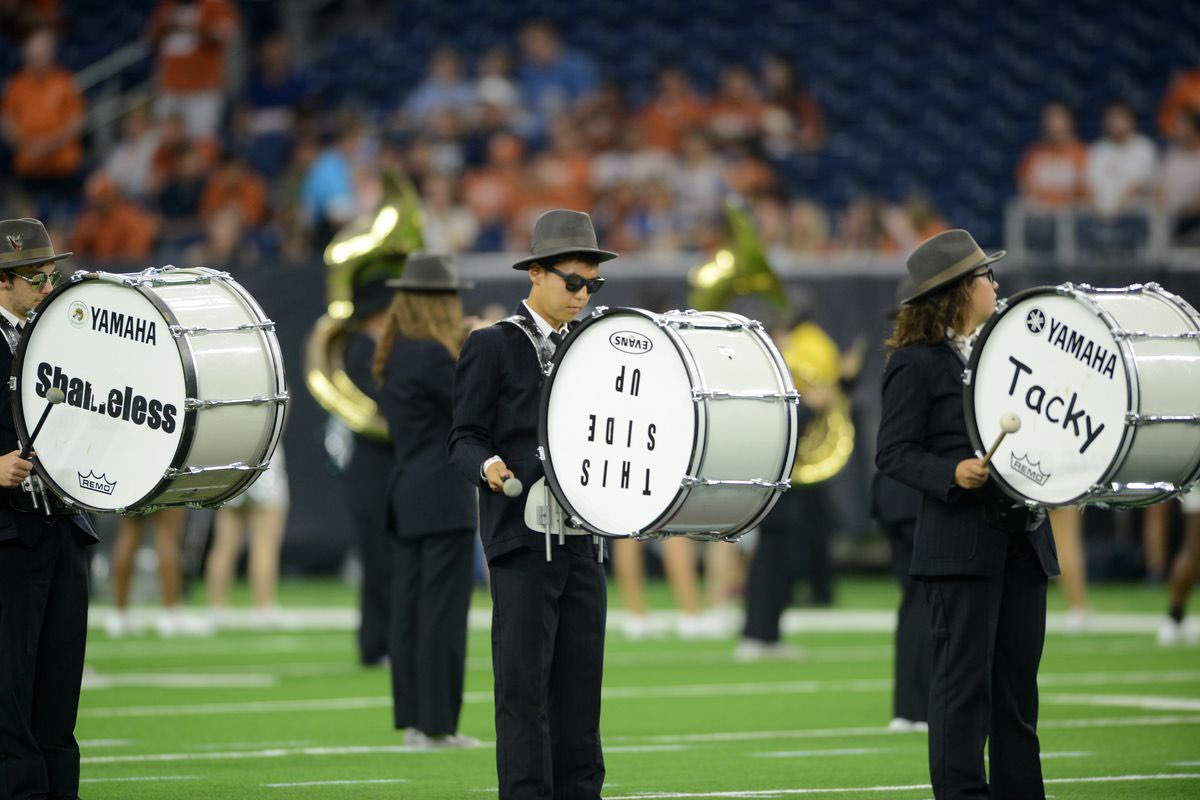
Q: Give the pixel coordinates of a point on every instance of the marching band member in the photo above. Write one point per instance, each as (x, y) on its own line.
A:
(431, 512)
(984, 560)
(43, 569)
(548, 616)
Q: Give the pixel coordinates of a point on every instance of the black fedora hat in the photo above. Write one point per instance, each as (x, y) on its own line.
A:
(943, 259)
(429, 272)
(560, 232)
(24, 242)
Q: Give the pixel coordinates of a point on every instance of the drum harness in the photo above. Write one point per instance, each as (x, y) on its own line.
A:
(550, 514)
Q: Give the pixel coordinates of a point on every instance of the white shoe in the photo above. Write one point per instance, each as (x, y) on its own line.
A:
(174, 622)
(1077, 621)
(697, 626)
(414, 738)
(1173, 634)
(117, 624)
(748, 650)
(901, 725)
(451, 740)
(920, 727)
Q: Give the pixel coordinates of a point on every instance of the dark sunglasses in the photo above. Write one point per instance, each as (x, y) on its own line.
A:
(39, 280)
(576, 282)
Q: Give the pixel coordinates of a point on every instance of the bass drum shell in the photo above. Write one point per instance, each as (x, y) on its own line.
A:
(138, 357)
(632, 427)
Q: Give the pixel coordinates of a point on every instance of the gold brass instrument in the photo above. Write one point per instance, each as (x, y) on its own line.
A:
(374, 245)
(741, 268)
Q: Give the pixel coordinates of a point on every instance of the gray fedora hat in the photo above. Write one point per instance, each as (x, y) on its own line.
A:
(559, 232)
(943, 259)
(24, 242)
(429, 272)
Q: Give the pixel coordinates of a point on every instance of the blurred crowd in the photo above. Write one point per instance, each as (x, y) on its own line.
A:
(491, 139)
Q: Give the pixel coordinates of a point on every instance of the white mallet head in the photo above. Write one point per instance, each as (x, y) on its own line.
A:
(1010, 423)
(55, 395)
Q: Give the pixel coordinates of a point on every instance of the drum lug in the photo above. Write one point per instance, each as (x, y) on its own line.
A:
(12, 383)
(192, 403)
(77, 276)
(690, 482)
(598, 311)
(1132, 418)
(541, 453)
(199, 330)
(966, 377)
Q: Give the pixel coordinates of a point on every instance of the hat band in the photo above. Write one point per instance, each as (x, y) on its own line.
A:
(953, 271)
(46, 253)
(562, 241)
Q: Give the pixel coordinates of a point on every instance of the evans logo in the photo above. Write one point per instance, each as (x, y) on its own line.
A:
(630, 342)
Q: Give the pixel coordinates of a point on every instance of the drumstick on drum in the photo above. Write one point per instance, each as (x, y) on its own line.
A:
(54, 396)
(1009, 423)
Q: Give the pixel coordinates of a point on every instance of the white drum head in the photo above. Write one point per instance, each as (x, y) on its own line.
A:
(1050, 359)
(110, 349)
(619, 426)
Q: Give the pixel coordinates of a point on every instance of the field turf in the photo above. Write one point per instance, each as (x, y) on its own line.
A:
(290, 714)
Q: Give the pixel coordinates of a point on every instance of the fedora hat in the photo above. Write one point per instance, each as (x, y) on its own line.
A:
(24, 242)
(559, 232)
(428, 272)
(943, 259)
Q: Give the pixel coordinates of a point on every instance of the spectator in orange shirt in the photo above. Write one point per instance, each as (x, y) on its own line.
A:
(1182, 95)
(674, 111)
(736, 111)
(192, 37)
(792, 120)
(492, 190)
(235, 185)
(112, 228)
(41, 120)
(1051, 172)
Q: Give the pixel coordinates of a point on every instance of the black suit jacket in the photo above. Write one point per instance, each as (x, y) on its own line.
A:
(922, 437)
(497, 391)
(28, 527)
(427, 494)
(371, 462)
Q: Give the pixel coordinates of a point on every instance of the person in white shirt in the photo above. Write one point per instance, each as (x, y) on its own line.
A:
(1122, 166)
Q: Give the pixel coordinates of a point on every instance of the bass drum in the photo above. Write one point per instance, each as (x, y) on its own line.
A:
(174, 384)
(1105, 382)
(667, 424)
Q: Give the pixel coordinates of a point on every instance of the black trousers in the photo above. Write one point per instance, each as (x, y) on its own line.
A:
(796, 531)
(432, 578)
(987, 635)
(43, 630)
(910, 696)
(367, 491)
(548, 658)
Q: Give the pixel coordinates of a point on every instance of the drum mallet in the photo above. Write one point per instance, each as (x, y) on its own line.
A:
(1009, 423)
(513, 487)
(54, 396)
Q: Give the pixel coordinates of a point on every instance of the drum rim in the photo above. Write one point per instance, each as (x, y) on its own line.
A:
(698, 425)
(1132, 391)
(187, 360)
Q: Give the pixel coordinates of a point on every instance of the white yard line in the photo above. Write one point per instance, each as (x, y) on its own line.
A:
(166, 680)
(865, 685)
(266, 753)
(1147, 702)
(846, 751)
(142, 778)
(1067, 754)
(917, 787)
(364, 782)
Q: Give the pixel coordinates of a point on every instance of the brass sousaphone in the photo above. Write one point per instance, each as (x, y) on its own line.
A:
(374, 245)
(741, 269)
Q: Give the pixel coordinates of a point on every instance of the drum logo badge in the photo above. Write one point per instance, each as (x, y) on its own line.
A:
(97, 483)
(1030, 469)
(630, 342)
(1035, 321)
(77, 313)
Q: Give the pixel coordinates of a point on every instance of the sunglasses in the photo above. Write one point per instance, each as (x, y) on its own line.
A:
(576, 282)
(39, 280)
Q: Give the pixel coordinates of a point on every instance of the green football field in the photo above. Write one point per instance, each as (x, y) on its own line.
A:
(289, 714)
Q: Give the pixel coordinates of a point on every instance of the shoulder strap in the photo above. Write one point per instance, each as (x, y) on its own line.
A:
(541, 347)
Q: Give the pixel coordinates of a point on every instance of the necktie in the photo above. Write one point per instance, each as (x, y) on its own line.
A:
(12, 333)
(555, 338)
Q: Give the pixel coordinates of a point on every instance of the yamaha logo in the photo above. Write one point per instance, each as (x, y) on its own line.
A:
(77, 313)
(630, 342)
(1035, 321)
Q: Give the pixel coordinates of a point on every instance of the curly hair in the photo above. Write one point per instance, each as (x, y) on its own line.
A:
(926, 320)
(437, 316)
